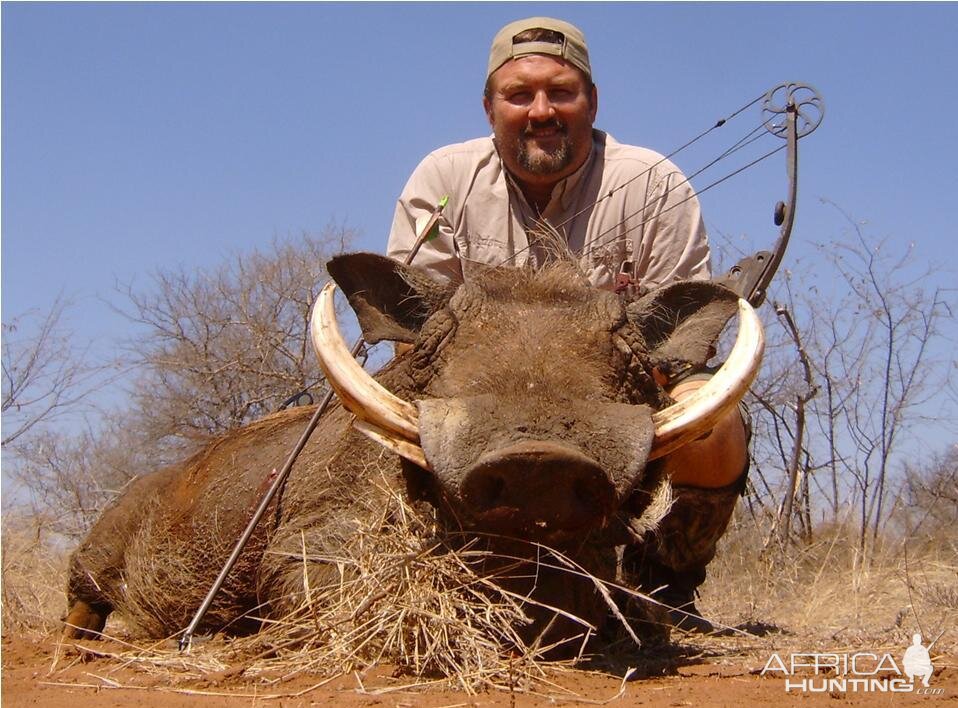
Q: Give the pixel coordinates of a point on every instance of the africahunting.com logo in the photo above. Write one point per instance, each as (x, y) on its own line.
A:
(860, 672)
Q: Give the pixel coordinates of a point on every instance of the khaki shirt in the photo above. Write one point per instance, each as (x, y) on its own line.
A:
(654, 221)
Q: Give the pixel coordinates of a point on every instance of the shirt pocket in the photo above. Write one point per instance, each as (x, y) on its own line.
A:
(609, 255)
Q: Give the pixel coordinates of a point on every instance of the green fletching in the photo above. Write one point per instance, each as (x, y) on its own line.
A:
(434, 231)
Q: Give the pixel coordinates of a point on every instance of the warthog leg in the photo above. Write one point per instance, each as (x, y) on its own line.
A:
(85, 620)
(670, 563)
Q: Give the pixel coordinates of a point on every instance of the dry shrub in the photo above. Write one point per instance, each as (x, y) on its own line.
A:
(827, 591)
(34, 575)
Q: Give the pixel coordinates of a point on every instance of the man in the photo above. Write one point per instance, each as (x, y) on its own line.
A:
(546, 165)
(546, 176)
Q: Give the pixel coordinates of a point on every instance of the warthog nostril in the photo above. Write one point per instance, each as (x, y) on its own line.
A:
(589, 497)
(540, 484)
(486, 490)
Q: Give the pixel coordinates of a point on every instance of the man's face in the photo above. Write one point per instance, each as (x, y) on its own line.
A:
(541, 110)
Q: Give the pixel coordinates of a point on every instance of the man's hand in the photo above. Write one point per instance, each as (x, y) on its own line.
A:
(716, 460)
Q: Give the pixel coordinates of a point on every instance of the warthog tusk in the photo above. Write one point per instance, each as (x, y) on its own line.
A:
(394, 423)
(691, 417)
(410, 450)
(359, 392)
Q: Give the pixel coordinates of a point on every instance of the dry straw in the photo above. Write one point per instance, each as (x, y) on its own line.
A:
(403, 596)
(33, 576)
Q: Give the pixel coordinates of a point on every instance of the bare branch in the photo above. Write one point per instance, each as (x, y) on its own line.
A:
(45, 376)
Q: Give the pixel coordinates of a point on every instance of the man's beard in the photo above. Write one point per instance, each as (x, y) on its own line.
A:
(541, 162)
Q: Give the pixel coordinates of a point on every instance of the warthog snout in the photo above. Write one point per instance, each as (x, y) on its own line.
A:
(538, 487)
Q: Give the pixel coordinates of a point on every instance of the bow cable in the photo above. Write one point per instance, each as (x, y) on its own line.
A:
(802, 108)
(752, 136)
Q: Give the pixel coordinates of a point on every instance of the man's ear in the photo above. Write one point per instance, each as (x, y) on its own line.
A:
(390, 300)
(594, 100)
(487, 107)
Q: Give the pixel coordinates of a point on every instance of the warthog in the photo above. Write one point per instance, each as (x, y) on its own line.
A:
(527, 411)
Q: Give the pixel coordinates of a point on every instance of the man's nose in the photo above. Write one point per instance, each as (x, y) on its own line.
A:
(541, 108)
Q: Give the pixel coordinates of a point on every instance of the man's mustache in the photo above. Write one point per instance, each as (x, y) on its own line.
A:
(531, 127)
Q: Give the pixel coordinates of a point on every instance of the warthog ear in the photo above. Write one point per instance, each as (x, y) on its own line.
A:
(681, 322)
(391, 301)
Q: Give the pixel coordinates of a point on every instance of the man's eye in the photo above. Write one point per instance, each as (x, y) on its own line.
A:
(519, 97)
(561, 95)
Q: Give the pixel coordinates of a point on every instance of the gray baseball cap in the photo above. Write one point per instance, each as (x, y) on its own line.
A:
(572, 48)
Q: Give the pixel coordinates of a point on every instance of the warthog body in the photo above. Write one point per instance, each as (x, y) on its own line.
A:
(535, 396)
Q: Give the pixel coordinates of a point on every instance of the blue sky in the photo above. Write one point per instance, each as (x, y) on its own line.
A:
(142, 136)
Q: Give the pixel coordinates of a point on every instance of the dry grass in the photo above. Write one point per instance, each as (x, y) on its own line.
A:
(824, 592)
(404, 598)
(34, 576)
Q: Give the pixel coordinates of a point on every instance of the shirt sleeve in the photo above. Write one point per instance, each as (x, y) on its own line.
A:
(426, 187)
(674, 243)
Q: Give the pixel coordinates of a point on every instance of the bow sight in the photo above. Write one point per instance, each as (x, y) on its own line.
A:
(790, 111)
